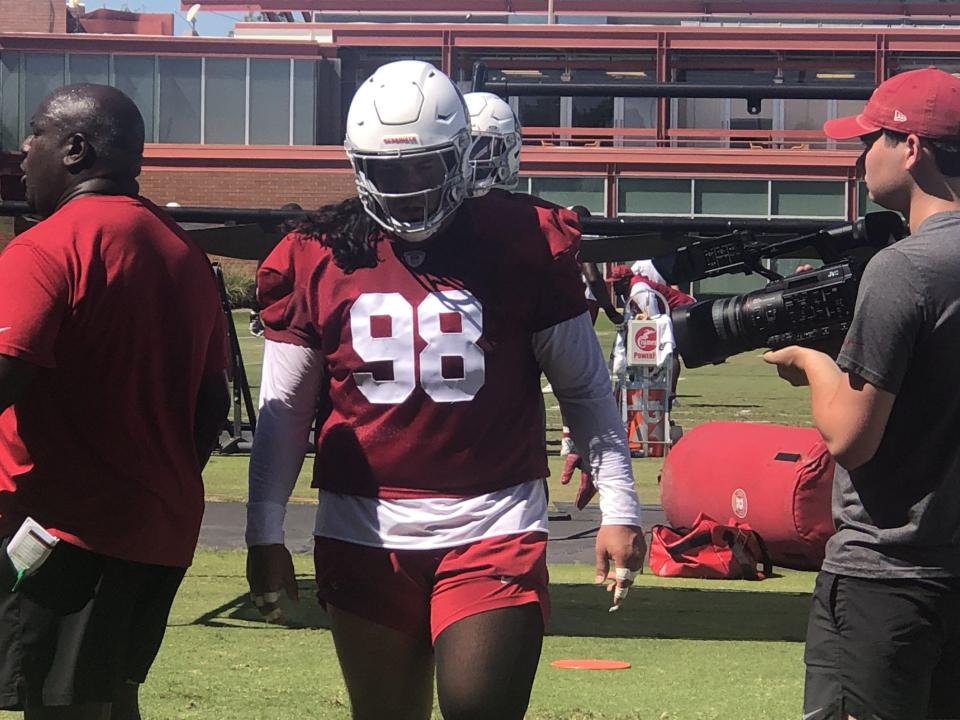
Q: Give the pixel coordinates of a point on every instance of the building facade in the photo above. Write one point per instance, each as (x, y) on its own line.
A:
(256, 120)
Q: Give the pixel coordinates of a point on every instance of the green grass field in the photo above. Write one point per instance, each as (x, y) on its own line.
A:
(699, 650)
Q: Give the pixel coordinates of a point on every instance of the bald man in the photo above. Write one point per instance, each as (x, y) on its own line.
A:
(112, 394)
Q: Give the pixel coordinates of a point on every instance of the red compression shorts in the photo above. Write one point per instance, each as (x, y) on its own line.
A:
(420, 591)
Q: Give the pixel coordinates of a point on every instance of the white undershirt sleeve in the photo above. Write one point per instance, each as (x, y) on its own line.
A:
(570, 356)
(288, 401)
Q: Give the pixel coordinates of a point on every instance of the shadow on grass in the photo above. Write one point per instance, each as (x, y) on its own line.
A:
(679, 613)
(720, 405)
(582, 611)
(304, 614)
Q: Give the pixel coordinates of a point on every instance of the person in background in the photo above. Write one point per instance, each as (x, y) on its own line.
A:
(883, 637)
(496, 141)
(256, 324)
(112, 395)
(597, 294)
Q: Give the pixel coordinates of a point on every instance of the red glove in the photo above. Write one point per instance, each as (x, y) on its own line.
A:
(587, 489)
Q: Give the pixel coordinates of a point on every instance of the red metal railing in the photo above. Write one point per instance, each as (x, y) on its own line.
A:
(682, 137)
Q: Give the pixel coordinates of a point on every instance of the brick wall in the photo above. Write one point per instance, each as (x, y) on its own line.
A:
(251, 189)
(41, 16)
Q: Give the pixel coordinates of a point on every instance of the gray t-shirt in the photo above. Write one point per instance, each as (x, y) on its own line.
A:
(898, 515)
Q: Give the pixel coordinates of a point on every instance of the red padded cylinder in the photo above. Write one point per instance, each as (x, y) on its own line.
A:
(777, 479)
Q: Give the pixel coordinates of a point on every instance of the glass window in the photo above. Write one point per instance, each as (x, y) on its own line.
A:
(89, 69)
(745, 75)
(653, 196)
(179, 100)
(741, 119)
(11, 134)
(804, 114)
(581, 19)
(539, 111)
(591, 112)
(701, 112)
(567, 191)
(269, 102)
(730, 197)
(225, 108)
(905, 62)
(44, 74)
(850, 107)
(712, 112)
(800, 198)
(135, 76)
(639, 112)
(304, 102)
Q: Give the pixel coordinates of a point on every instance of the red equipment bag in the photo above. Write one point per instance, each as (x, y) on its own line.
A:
(709, 550)
(776, 478)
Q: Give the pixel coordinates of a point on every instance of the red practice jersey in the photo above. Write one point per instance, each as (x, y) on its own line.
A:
(431, 385)
(119, 310)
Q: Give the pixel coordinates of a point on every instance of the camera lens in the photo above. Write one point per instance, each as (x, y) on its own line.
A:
(806, 308)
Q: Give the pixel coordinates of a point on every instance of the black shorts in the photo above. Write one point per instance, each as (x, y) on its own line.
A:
(81, 627)
(887, 649)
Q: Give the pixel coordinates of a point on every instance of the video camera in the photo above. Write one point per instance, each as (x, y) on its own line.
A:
(812, 308)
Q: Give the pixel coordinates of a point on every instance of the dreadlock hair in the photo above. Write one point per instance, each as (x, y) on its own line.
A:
(349, 232)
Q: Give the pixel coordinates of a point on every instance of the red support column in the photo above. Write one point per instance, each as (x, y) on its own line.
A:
(880, 58)
(663, 104)
(852, 197)
(611, 185)
(446, 53)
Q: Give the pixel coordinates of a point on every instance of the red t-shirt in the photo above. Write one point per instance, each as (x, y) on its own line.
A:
(432, 387)
(120, 311)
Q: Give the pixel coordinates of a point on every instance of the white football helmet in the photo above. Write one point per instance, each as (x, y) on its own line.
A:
(407, 138)
(495, 152)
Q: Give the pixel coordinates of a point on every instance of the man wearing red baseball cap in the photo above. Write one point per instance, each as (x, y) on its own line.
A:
(883, 640)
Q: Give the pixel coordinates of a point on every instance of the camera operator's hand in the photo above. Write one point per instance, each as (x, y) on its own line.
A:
(270, 569)
(806, 267)
(789, 362)
(614, 315)
(626, 546)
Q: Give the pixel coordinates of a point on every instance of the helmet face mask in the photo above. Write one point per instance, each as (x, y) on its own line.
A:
(490, 165)
(495, 153)
(407, 140)
(411, 195)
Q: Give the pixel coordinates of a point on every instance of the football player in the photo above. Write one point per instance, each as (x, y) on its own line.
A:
(497, 139)
(422, 328)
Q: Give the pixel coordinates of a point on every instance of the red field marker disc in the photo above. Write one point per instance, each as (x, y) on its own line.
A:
(590, 664)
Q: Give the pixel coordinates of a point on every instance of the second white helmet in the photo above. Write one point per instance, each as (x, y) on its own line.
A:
(407, 138)
(495, 152)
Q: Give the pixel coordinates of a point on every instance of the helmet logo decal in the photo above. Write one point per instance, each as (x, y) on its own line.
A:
(401, 140)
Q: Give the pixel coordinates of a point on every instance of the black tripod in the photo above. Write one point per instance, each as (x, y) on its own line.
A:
(238, 374)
